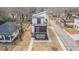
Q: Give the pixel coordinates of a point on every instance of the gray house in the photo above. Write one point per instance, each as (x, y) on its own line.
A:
(8, 32)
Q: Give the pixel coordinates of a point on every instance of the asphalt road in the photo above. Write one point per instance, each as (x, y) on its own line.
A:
(68, 42)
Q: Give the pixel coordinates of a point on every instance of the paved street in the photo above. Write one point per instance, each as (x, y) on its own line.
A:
(68, 42)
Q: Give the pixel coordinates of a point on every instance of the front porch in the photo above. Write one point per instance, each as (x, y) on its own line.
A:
(8, 37)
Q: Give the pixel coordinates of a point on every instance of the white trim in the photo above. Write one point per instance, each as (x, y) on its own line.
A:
(5, 41)
(62, 45)
(49, 38)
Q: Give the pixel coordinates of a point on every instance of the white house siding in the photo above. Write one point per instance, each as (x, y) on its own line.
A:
(42, 21)
(76, 24)
(34, 21)
(32, 29)
(42, 14)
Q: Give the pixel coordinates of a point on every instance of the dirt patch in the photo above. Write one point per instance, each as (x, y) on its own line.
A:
(41, 46)
(72, 31)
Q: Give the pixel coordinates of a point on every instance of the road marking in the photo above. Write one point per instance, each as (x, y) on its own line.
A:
(30, 45)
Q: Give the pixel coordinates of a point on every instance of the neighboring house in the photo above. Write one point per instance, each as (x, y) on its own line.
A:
(39, 25)
(76, 23)
(8, 32)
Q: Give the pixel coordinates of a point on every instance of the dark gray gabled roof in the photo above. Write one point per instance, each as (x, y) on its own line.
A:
(8, 28)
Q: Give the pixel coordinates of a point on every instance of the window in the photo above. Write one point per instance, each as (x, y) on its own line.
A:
(40, 29)
(36, 29)
(38, 20)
